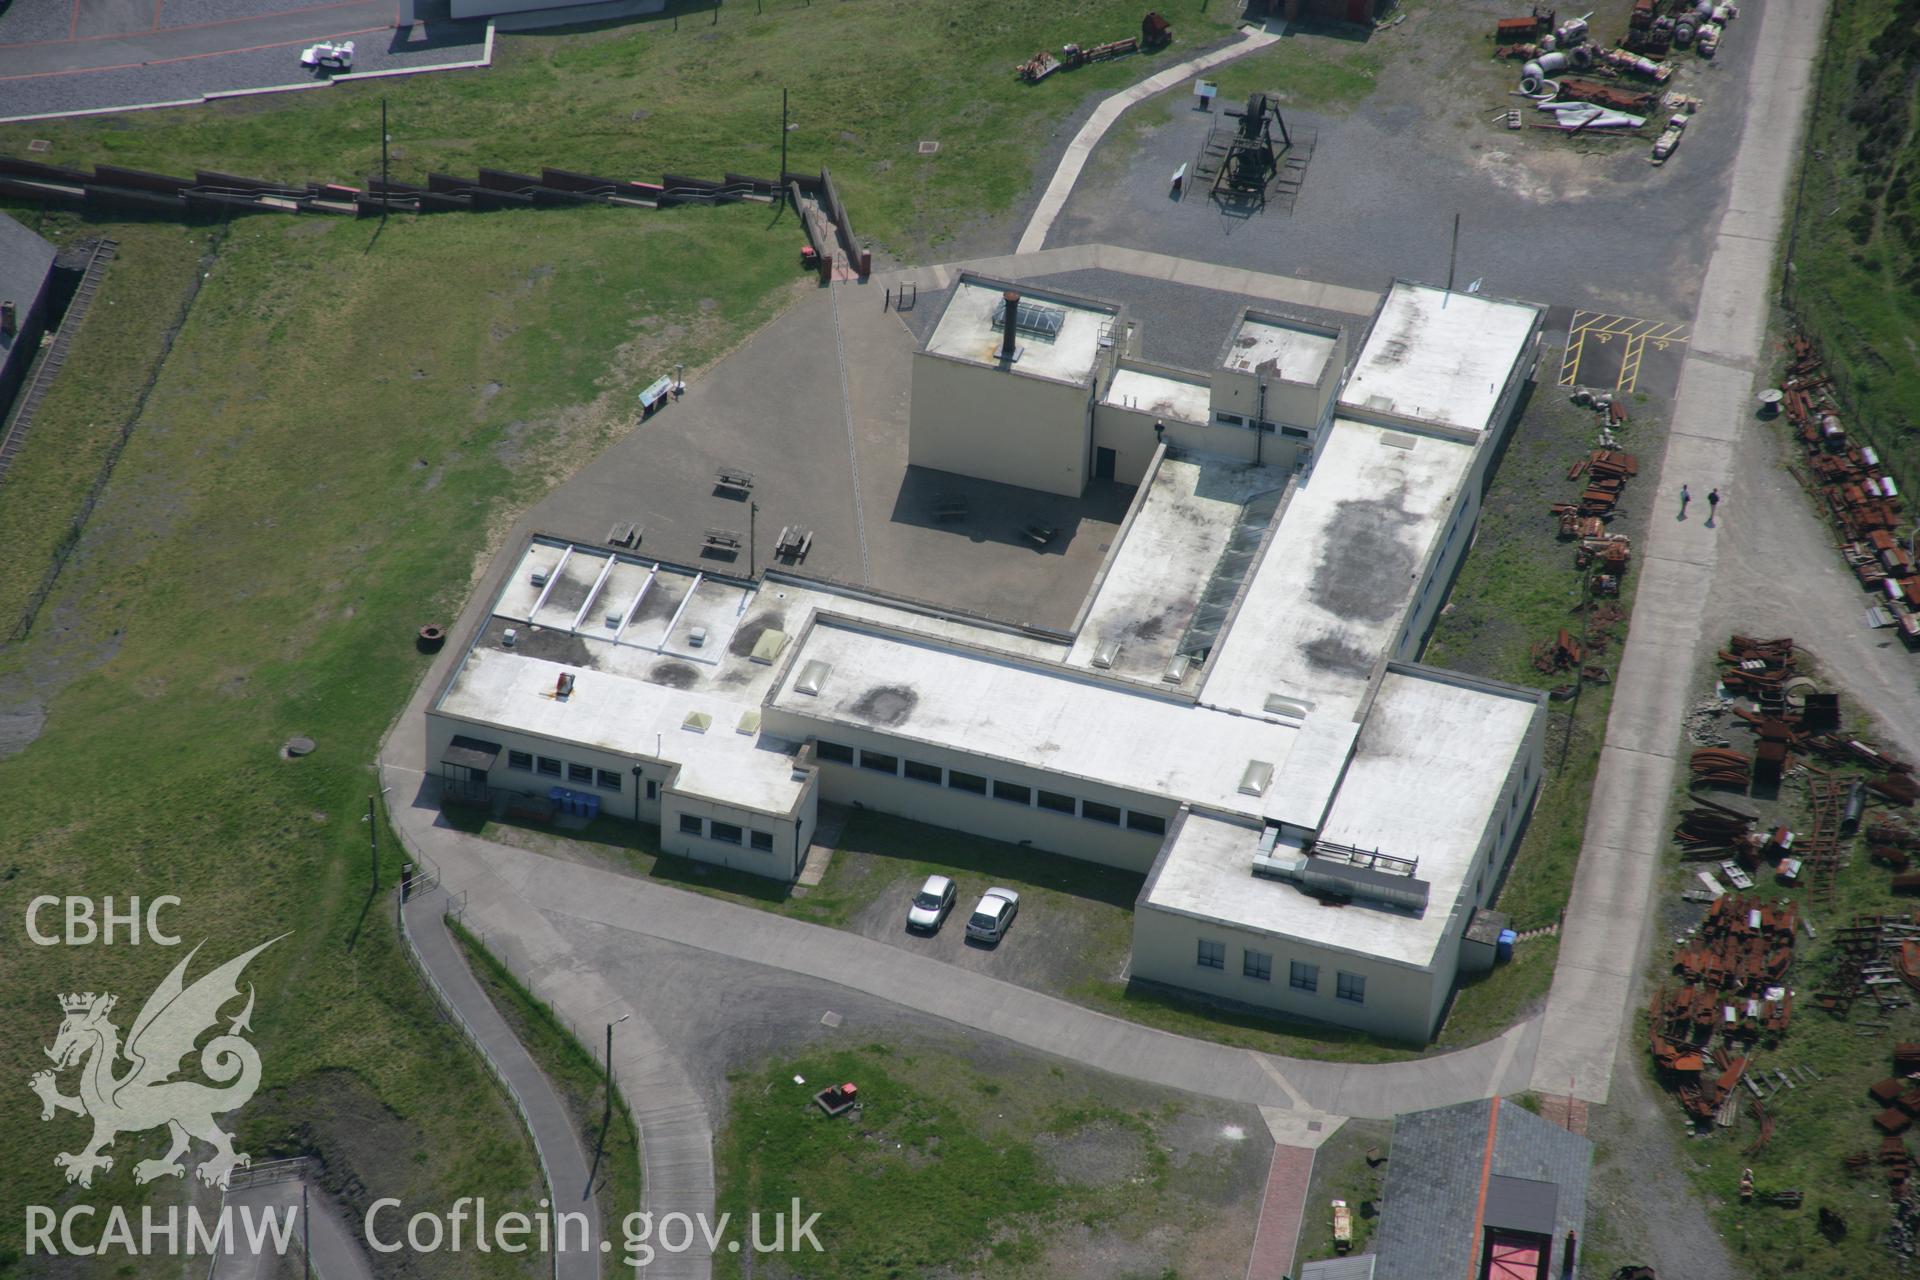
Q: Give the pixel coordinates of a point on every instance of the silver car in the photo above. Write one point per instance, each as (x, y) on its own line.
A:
(930, 905)
(991, 919)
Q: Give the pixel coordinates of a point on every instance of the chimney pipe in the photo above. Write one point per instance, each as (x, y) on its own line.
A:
(9, 323)
(1006, 324)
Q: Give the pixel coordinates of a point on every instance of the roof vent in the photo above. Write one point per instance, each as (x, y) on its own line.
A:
(507, 638)
(539, 578)
(1395, 440)
(1254, 780)
(812, 676)
(1107, 654)
(1279, 704)
(1383, 403)
(697, 722)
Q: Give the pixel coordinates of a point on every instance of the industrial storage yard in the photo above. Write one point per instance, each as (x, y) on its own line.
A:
(1299, 539)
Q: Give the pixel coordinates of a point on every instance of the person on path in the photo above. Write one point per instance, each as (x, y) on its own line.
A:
(1713, 506)
(1685, 498)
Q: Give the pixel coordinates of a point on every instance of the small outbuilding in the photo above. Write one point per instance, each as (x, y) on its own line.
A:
(26, 276)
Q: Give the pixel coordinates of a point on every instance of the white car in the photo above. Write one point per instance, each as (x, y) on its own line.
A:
(991, 919)
(931, 905)
(328, 55)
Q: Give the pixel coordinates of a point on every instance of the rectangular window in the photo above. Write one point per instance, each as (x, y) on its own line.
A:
(581, 773)
(966, 782)
(521, 760)
(550, 766)
(1298, 433)
(1232, 419)
(1012, 792)
(691, 825)
(833, 752)
(879, 761)
(1352, 987)
(1058, 803)
(1213, 955)
(653, 789)
(1257, 965)
(1147, 822)
(924, 772)
(762, 840)
(1303, 977)
(1094, 811)
(724, 832)
(607, 780)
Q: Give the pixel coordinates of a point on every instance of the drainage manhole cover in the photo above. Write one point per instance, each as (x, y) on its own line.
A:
(297, 747)
(928, 148)
(39, 144)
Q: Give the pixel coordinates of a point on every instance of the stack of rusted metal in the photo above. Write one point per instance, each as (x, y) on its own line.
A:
(1721, 767)
(1607, 472)
(1861, 499)
(1732, 994)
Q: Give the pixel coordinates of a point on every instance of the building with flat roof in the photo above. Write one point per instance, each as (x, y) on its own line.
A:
(1238, 713)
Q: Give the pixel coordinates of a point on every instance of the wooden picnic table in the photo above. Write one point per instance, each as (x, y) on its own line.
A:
(723, 539)
(949, 507)
(794, 542)
(1040, 534)
(733, 478)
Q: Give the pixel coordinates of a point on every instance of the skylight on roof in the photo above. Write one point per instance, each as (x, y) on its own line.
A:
(1032, 319)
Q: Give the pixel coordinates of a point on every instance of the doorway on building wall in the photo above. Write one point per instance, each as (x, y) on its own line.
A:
(1103, 463)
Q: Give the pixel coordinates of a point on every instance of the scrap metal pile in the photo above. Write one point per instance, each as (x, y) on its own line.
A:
(1155, 33)
(1552, 49)
(1898, 1097)
(1604, 474)
(1860, 498)
(1732, 970)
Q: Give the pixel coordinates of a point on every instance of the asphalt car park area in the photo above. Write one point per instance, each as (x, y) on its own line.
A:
(68, 56)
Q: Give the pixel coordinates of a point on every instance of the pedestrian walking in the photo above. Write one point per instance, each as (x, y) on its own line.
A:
(1713, 506)
(1685, 498)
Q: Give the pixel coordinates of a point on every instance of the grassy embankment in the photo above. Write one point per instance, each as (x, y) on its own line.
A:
(1855, 280)
(341, 426)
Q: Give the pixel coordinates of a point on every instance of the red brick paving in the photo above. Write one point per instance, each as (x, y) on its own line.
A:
(1281, 1211)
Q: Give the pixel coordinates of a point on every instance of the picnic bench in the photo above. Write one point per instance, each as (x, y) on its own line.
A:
(949, 507)
(624, 535)
(655, 395)
(794, 542)
(733, 478)
(1040, 535)
(722, 540)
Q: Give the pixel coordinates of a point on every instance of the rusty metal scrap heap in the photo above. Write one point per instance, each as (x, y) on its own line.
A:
(1732, 973)
(1860, 498)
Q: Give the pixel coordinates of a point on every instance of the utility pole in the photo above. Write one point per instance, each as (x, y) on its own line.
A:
(306, 1234)
(783, 146)
(610, 1026)
(385, 197)
(373, 845)
(1454, 252)
(753, 511)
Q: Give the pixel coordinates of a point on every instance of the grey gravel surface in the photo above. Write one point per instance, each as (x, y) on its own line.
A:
(1609, 231)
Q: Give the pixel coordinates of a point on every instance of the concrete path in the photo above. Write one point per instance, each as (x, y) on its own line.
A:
(563, 1160)
(530, 903)
(1609, 918)
(335, 1247)
(1054, 198)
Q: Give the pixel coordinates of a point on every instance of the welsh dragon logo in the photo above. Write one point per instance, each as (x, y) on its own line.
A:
(145, 1095)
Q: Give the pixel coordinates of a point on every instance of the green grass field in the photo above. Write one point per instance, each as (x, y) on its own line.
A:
(342, 426)
(957, 1164)
(577, 1073)
(1855, 283)
(868, 81)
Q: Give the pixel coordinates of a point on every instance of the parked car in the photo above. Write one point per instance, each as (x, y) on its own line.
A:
(991, 919)
(328, 55)
(931, 905)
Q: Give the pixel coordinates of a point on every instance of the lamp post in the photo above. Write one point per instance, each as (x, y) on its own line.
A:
(610, 1026)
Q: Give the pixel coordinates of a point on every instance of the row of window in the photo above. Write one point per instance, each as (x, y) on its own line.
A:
(583, 774)
(726, 832)
(1000, 789)
(1238, 420)
(1301, 976)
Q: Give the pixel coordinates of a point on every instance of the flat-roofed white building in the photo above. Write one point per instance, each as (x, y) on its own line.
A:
(1237, 714)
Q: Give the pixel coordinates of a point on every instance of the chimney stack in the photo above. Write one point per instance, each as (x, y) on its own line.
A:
(9, 323)
(1006, 324)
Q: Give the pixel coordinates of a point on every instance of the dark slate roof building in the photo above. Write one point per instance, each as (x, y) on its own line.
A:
(26, 270)
(1482, 1191)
